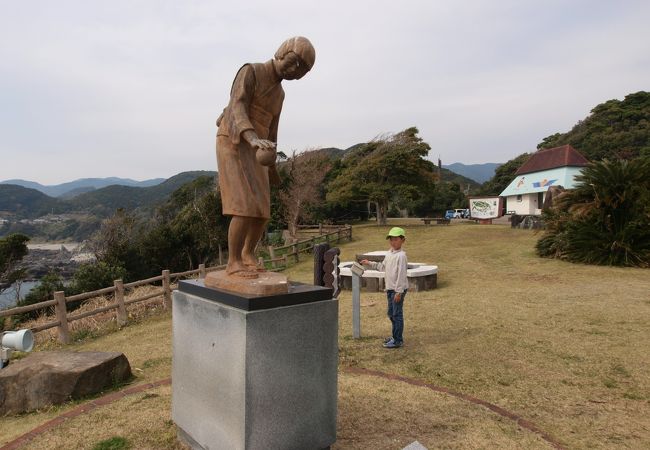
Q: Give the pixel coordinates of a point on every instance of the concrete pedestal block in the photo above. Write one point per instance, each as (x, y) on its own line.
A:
(255, 375)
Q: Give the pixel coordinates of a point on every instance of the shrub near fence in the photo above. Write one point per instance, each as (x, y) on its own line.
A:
(289, 253)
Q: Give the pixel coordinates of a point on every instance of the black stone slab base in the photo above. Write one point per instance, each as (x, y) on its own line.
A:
(298, 293)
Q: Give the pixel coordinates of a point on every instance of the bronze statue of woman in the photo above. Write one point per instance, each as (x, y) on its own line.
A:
(246, 148)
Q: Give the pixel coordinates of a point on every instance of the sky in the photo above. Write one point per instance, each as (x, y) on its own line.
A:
(133, 88)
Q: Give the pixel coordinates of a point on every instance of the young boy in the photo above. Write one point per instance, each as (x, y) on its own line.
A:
(394, 267)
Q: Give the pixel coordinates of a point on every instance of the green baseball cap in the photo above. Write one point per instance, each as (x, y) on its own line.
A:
(396, 232)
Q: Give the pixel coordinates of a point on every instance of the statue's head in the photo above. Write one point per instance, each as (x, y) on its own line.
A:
(294, 58)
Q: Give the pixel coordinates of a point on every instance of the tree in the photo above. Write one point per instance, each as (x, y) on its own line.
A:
(444, 196)
(116, 243)
(388, 169)
(303, 187)
(605, 219)
(188, 229)
(13, 249)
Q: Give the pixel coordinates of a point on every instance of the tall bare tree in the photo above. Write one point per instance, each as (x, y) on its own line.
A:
(306, 172)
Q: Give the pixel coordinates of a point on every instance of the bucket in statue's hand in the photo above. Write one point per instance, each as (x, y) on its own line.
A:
(266, 157)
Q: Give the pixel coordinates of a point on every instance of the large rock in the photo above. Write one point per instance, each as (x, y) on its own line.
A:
(49, 378)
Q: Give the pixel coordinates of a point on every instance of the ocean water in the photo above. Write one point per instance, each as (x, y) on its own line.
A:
(8, 296)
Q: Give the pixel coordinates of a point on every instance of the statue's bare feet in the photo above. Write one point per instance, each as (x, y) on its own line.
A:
(253, 265)
(241, 270)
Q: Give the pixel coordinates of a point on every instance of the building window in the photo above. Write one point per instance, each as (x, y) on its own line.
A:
(540, 199)
(519, 198)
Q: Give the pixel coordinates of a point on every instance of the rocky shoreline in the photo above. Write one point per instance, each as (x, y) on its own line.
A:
(44, 259)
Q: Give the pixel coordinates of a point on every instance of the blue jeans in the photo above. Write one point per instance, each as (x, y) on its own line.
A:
(396, 315)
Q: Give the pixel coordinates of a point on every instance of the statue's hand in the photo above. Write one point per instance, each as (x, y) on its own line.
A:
(263, 144)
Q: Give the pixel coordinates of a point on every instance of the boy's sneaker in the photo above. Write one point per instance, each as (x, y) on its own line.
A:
(388, 339)
(392, 344)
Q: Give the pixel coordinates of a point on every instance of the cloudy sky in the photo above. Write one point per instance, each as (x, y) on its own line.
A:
(133, 88)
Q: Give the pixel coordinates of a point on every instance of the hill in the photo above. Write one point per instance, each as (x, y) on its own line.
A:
(103, 202)
(26, 203)
(453, 177)
(21, 202)
(81, 185)
(617, 129)
(477, 172)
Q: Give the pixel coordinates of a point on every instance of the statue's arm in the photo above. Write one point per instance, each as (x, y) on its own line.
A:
(241, 98)
(274, 176)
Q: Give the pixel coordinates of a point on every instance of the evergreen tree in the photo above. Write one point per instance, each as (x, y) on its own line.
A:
(388, 169)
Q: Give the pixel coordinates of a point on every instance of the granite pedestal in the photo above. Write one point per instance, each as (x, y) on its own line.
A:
(254, 372)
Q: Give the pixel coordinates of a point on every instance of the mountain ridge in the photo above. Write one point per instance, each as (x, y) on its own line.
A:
(29, 203)
(71, 188)
(477, 172)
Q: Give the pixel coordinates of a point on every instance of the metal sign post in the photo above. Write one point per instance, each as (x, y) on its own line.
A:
(357, 271)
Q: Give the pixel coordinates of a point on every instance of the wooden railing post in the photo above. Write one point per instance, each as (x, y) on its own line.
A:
(167, 292)
(320, 228)
(119, 299)
(349, 232)
(62, 317)
(202, 272)
(313, 243)
(286, 261)
(294, 247)
(272, 256)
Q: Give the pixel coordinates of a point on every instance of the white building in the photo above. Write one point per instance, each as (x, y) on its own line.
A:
(545, 168)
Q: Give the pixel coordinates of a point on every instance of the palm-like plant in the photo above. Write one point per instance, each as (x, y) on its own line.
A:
(605, 219)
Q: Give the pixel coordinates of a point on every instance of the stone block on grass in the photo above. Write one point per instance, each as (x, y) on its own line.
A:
(51, 378)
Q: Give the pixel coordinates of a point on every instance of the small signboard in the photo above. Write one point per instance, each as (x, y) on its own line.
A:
(357, 269)
(485, 207)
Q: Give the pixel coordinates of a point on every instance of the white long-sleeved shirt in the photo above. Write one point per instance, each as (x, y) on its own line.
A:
(394, 267)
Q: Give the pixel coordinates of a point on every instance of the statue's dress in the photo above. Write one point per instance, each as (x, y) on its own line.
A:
(255, 104)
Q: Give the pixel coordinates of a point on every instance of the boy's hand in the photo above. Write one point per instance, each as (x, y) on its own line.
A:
(397, 297)
(364, 262)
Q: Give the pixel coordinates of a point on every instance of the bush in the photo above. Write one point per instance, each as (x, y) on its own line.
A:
(605, 220)
(90, 277)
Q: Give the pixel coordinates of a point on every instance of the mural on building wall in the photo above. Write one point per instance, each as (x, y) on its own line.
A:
(544, 183)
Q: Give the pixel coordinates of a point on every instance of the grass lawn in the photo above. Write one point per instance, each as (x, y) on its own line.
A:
(565, 346)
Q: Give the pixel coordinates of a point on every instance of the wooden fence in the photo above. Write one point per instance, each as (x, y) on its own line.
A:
(281, 257)
(64, 317)
(289, 253)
